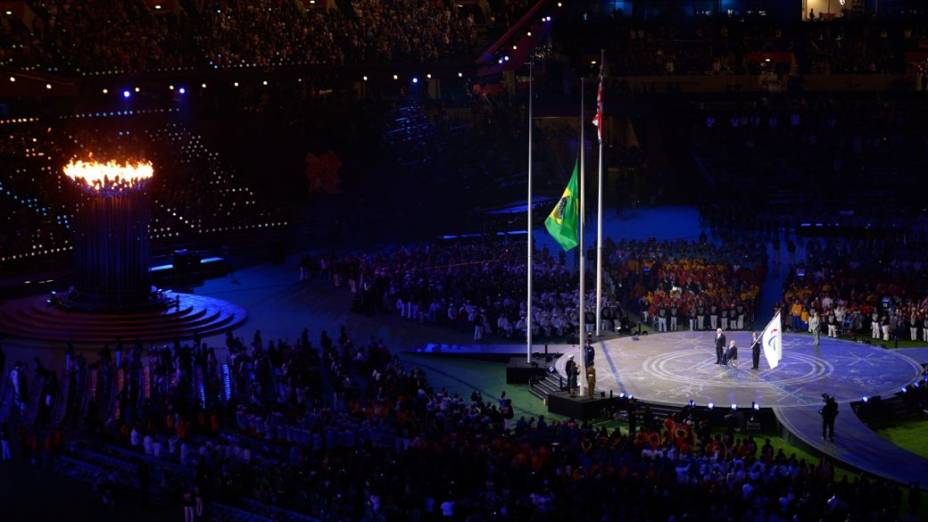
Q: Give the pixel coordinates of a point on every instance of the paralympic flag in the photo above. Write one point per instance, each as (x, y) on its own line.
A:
(772, 340)
(562, 222)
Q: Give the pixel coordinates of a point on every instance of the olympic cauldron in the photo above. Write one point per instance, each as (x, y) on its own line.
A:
(111, 236)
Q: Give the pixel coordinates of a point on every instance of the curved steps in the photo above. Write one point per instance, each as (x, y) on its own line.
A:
(32, 319)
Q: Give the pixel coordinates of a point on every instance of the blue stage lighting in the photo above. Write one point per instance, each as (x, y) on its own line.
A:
(126, 93)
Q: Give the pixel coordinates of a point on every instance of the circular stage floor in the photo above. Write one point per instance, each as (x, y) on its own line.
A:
(33, 320)
(674, 368)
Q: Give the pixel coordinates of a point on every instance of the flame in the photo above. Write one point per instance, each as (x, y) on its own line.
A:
(109, 176)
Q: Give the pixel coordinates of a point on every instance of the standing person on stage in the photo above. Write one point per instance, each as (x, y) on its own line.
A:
(673, 317)
(755, 350)
(815, 327)
(589, 354)
(832, 325)
(701, 319)
(875, 325)
(719, 345)
(714, 317)
(828, 412)
(572, 372)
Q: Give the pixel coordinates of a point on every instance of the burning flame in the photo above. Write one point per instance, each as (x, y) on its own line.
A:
(109, 176)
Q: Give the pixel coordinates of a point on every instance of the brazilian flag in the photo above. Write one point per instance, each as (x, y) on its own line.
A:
(564, 220)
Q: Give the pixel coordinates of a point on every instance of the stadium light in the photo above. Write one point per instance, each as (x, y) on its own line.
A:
(48, 86)
(865, 398)
(126, 94)
(12, 78)
(734, 406)
(396, 77)
(136, 89)
(234, 84)
(264, 82)
(415, 80)
(460, 75)
(365, 77)
(182, 90)
(105, 91)
(203, 85)
(170, 87)
(710, 405)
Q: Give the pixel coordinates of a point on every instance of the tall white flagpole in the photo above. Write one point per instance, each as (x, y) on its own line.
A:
(528, 300)
(599, 205)
(580, 244)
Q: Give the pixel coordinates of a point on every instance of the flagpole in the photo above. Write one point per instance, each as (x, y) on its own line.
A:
(580, 243)
(599, 203)
(528, 301)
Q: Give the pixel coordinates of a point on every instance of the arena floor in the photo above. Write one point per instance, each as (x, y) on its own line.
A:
(674, 368)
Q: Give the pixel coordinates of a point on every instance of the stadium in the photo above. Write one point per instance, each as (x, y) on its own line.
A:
(366, 260)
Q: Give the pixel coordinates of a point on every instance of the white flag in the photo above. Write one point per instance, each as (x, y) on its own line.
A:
(772, 340)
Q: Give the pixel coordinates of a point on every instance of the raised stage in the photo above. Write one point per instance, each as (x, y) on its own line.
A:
(675, 368)
(33, 320)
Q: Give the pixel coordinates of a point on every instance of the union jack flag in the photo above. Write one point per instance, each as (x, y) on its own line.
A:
(598, 119)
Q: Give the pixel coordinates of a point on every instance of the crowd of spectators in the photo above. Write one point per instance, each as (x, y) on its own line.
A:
(741, 45)
(695, 285)
(873, 287)
(479, 285)
(475, 285)
(65, 34)
(341, 430)
(105, 36)
(109, 36)
(853, 148)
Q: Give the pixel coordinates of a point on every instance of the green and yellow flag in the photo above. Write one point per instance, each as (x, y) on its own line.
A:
(563, 221)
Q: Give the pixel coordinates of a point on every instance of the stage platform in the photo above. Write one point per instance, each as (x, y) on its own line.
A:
(855, 444)
(674, 368)
(678, 367)
(919, 355)
(33, 320)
